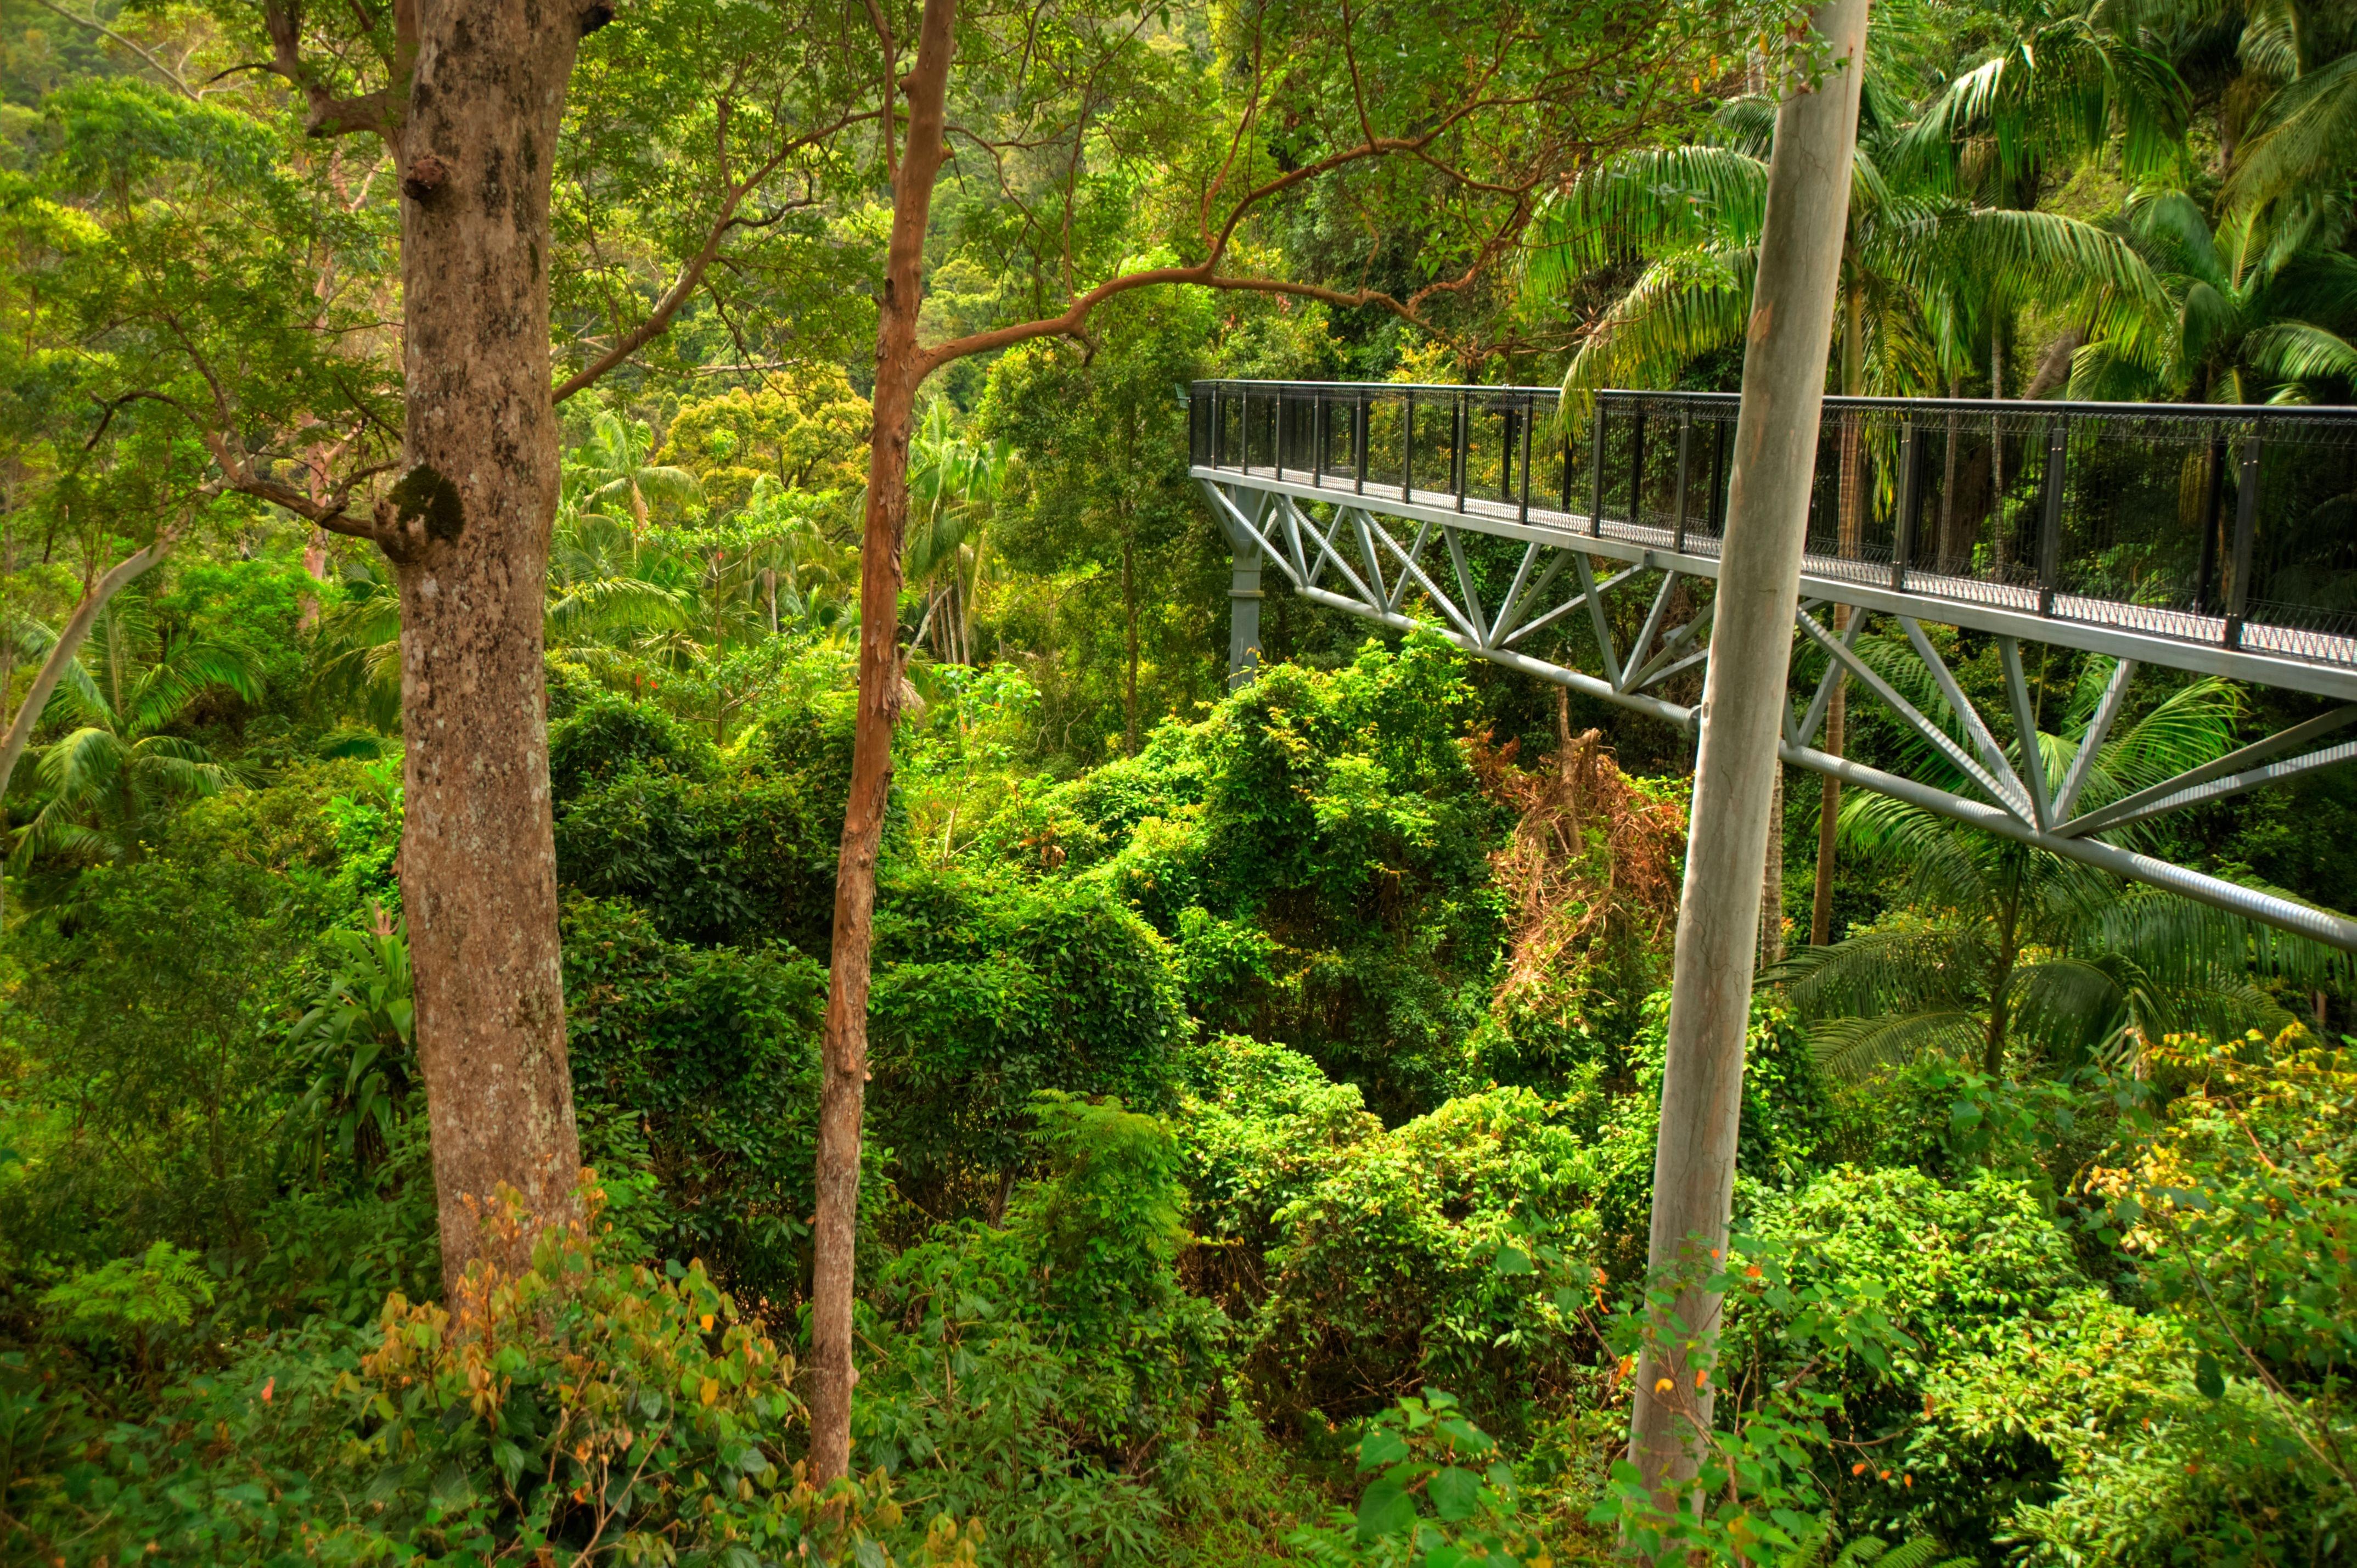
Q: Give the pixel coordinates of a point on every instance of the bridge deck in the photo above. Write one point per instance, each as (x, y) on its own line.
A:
(2150, 620)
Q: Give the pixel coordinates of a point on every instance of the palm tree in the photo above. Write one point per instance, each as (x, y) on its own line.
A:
(1998, 943)
(2256, 310)
(1920, 256)
(1922, 262)
(356, 647)
(108, 776)
(610, 471)
(803, 580)
(952, 485)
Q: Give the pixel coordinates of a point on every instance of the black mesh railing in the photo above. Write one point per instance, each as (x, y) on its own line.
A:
(2235, 526)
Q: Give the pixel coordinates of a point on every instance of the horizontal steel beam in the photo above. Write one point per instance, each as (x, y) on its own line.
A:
(1569, 531)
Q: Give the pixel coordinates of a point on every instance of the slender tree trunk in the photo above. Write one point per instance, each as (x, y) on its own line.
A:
(475, 508)
(1852, 537)
(1129, 619)
(1771, 881)
(900, 370)
(1743, 697)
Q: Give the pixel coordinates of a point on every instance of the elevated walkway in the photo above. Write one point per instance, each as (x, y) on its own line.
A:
(2217, 541)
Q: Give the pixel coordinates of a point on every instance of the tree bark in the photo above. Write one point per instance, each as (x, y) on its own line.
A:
(1743, 699)
(1771, 881)
(2054, 365)
(1852, 537)
(468, 527)
(900, 370)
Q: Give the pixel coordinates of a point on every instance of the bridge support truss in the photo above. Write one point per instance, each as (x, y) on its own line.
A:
(1432, 559)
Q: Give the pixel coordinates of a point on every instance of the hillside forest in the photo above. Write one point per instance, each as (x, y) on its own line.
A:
(644, 923)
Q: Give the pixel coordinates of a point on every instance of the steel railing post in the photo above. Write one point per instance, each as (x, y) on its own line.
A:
(1637, 470)
(1407, 447)
(1318, 441)
(1359, 436)
(1530, 418)
(1685, 446)
(1506, 452)
(1456, 450)
(1910, 464)
(2246, 527)
(1566, 453)
(1595, 476)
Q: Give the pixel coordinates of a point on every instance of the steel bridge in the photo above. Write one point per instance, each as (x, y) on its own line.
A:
(2221, 541)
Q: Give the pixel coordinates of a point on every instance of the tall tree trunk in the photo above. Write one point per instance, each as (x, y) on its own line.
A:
(1852, 537)
(900, 370)
(1743, 695)
(1129, 621)
(1771, 881)
(474, 511)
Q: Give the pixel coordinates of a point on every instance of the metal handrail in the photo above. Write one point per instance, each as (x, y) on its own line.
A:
(2222, 524)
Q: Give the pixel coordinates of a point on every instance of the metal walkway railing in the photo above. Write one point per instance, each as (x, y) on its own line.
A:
(2230, 528)
(2221, 540)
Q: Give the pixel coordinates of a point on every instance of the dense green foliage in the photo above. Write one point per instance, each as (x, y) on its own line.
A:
(1265, 1081)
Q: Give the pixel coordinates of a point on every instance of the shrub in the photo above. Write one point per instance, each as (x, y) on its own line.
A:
(715, 1053)
(1412, 1261)
(1052, 1375)
(130, 1304)
(586, 1407)
(606, 734)
(1260, 1125)
(735, 859)
(1317, 850)
(989, 988)
(1957, 1270)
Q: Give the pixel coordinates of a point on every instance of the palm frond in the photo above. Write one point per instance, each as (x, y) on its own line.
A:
(2186, 945)
(603, 605)
(2304, 137)
(1910, 970)
(80, 763)
(1681, 307)
(1852, 1048)
(166, 689)
(2301, 351)
(1647, 203)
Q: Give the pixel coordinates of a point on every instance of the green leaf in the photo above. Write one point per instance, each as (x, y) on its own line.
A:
(1380, 1447)
(1514, 1261)
(1455, 1493)
(1386, 1509)
(2208, 1376)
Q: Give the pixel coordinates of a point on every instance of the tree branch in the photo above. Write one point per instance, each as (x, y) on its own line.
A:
(691, 273)
(159, 67)
(382, 110)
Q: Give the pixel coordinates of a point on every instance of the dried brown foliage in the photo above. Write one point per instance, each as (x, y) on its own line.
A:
(1594, 861)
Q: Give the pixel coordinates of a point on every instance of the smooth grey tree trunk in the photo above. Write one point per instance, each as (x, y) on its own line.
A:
(1719, 918)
